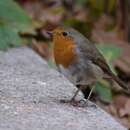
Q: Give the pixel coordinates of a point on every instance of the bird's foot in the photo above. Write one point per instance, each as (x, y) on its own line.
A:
(80, 103)
(72, 102)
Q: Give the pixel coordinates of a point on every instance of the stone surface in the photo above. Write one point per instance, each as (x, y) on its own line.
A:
(29, 97)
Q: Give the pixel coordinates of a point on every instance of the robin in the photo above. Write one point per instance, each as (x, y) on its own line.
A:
(79, 60)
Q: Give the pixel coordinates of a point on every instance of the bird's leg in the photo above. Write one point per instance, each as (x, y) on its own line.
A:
(81, 102)
(84, 102)
(87, 95)
(90, 93)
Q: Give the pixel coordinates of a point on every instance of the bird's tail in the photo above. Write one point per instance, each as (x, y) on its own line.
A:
(121, 83)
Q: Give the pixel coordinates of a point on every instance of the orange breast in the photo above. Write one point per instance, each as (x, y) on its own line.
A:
(64, 52)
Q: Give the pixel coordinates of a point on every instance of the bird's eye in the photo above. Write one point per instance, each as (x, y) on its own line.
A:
(64, 33)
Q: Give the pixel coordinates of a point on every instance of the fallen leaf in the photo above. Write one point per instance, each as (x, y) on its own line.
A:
(126, 110)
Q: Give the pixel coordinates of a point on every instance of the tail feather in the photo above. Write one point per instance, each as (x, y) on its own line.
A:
(121, 83)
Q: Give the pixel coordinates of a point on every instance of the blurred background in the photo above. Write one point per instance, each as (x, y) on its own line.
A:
(105, 22)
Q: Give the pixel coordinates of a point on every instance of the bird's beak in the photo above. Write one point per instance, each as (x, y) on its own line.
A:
(50, 34)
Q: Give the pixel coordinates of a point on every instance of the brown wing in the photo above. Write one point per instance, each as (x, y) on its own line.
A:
(102, 63)
(89, 51)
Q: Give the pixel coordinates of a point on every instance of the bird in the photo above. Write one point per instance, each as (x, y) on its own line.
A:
(79, 60)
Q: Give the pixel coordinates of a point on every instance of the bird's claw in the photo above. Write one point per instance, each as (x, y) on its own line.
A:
(80, 103)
